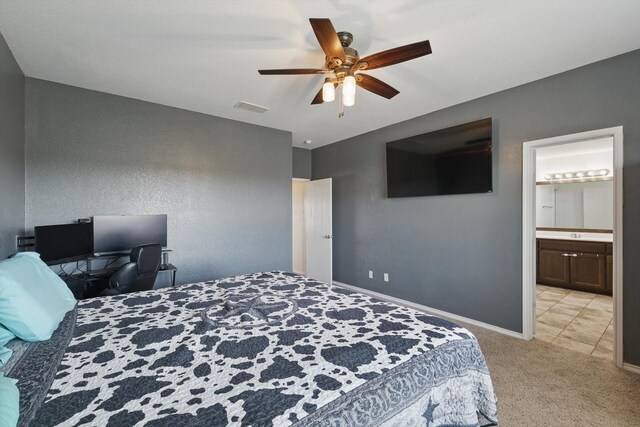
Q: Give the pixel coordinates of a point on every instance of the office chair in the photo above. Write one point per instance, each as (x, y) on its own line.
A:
(137, 275)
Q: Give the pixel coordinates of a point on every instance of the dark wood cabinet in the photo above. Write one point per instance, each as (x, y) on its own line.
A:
(584, 266)
(553, 268)
(588, 271)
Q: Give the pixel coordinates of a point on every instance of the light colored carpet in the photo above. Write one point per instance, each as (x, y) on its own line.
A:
(541, 384)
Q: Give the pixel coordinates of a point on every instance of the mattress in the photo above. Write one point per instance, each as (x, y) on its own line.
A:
(266, 349)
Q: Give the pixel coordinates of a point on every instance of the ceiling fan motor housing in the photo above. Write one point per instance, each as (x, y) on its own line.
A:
(351, 56)
(346, 38)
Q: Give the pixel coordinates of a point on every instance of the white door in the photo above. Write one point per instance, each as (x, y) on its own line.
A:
(319, 243)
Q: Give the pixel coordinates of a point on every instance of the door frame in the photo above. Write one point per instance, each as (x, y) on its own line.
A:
(301, 180)
(529, 226)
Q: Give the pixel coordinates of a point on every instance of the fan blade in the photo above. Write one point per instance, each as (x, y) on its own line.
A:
(318, 98)
(287, 71)
(328, 38)
(397, 55)
(376, 86)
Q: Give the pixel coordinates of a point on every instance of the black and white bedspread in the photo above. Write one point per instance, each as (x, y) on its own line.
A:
(268, 349)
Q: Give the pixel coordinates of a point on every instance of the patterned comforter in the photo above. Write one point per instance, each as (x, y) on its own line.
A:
(268, 349)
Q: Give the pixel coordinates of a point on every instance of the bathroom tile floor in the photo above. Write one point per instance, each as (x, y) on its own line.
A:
(579, 321)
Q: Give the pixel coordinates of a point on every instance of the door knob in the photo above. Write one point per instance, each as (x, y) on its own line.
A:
(328, 236)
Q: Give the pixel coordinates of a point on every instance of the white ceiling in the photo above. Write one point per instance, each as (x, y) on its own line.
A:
(204, 55)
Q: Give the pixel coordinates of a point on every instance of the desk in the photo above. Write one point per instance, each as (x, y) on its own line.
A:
(171, 269)
(102, 274)
(82, 283)
(114, 256)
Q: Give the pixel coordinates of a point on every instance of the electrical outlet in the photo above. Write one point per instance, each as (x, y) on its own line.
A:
(386, 277)
(370, 274)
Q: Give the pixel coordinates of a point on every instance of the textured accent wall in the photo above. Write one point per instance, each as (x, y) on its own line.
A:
(225, 185)
(462, 253)
(12, 84)
(301, 163)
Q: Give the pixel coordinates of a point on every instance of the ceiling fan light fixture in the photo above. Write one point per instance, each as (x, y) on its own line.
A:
(348, 100)
(328, 91)
(349, 86)
(349, 90)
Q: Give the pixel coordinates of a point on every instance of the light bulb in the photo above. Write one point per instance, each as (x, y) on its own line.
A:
(591, 173)
(558, 176)
(548, 177)
(349, 86)
(604, 172)
(328, 92)
(348, 100)
(568, 175)
(579, 174)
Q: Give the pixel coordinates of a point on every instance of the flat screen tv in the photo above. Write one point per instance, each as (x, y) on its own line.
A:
(58, 244)
(121, 233)
(456, 160)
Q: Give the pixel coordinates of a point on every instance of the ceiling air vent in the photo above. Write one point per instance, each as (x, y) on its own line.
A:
(247, 106)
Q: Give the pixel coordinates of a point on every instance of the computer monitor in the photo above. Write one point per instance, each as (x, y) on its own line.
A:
(121, 233)
(62, 243)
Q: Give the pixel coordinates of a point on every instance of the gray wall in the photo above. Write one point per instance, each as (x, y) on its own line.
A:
(225, 185)
(301, 163)
(11, 150)
(462, 254)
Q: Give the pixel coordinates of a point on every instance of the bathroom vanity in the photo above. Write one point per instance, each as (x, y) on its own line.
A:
(575, 260)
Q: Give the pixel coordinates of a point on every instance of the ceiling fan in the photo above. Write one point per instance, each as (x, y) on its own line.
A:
(343, 66)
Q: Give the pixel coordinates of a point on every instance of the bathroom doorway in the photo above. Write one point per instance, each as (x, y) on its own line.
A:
(572, 242)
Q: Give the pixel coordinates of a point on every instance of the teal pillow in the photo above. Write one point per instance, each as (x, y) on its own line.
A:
(33, 299)
(9, 402)
(5, 353)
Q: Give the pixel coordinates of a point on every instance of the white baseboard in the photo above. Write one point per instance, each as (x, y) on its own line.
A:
(631, 368)
(430, 310)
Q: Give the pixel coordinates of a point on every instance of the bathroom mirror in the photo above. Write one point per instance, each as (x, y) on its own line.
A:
(575, 206)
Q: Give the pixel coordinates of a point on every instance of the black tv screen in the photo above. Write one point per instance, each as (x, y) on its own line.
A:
(455, 160)
(121, 233)
(57, 244)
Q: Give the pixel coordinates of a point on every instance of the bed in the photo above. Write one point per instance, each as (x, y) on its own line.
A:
(267, 349)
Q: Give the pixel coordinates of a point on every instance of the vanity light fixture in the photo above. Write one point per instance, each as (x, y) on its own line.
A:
(595, 173)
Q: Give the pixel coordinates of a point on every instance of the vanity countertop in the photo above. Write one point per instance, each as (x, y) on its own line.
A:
(575, 235)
